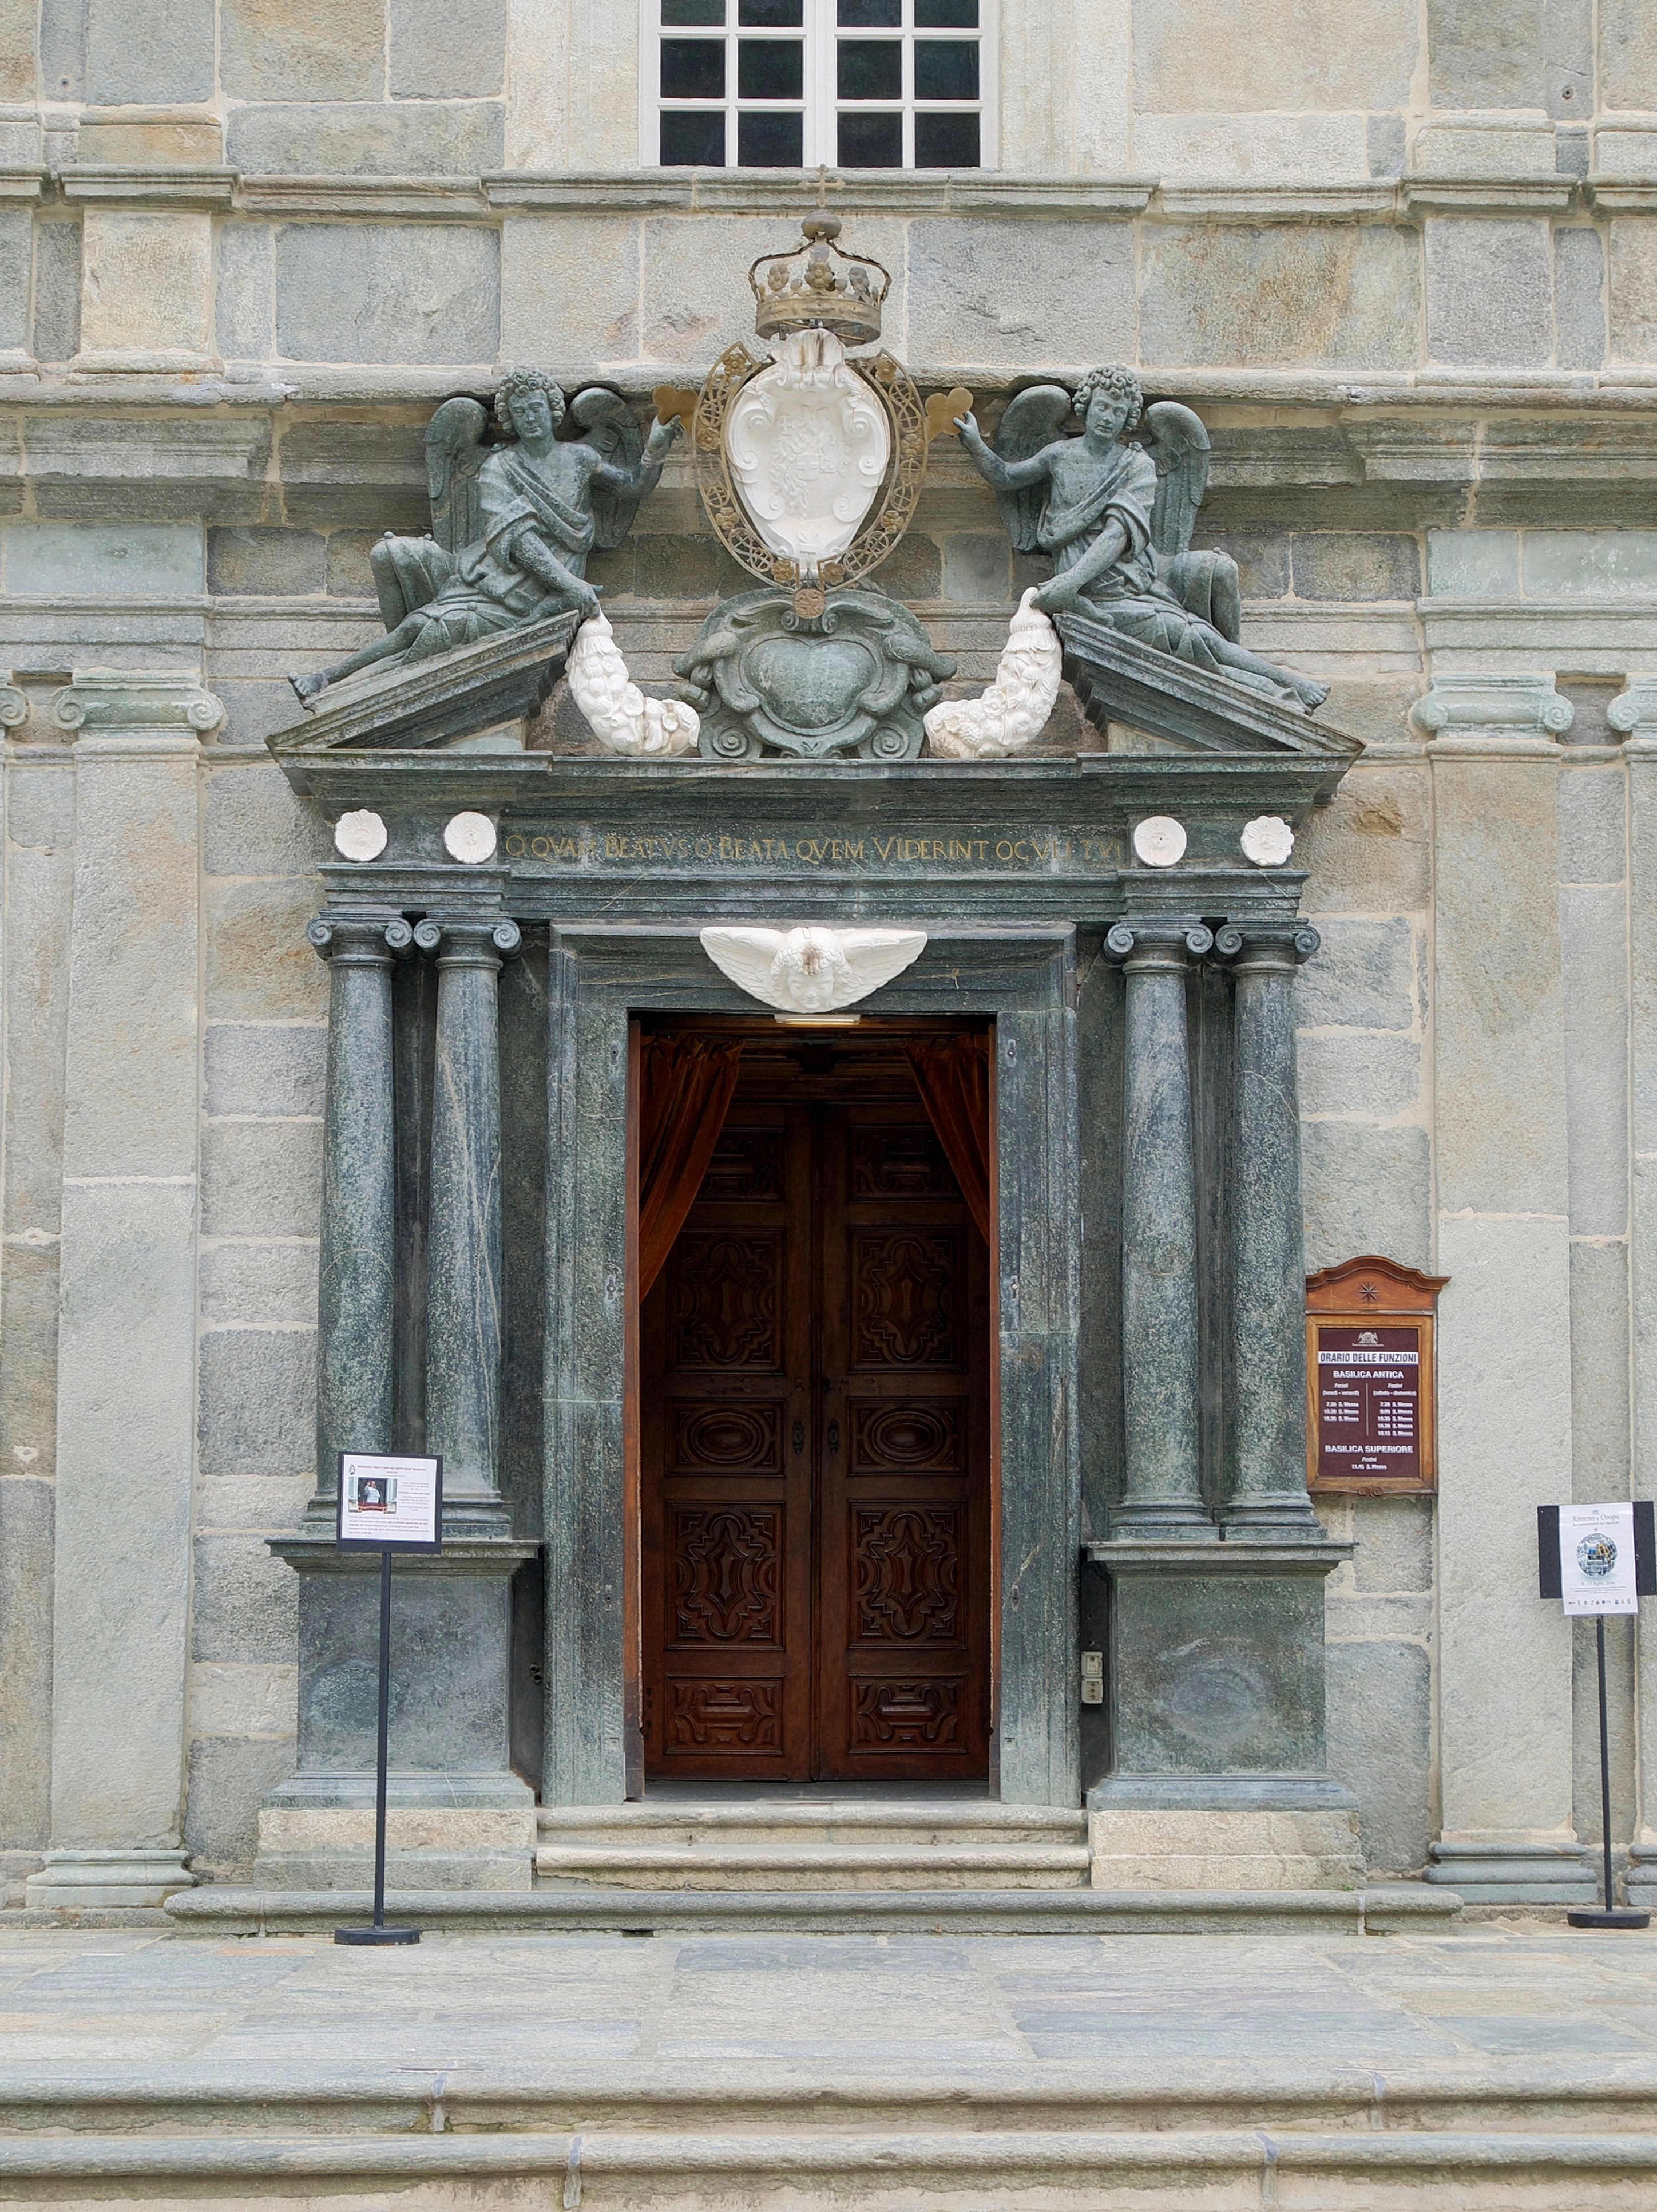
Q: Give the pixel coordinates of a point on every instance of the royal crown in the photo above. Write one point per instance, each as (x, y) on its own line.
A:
(818, 287)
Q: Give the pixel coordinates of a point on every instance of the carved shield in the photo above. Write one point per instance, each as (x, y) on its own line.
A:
(807, 445)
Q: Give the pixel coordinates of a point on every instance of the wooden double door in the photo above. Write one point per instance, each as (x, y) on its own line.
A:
(815, 1460)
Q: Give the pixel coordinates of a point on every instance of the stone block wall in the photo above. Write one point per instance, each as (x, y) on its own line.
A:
(1403, 260)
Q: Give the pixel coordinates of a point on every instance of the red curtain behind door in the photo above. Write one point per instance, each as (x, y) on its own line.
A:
(685, 1088)
(952, 1074)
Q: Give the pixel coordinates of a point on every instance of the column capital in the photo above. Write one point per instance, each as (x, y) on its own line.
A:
(359, 938)
(1265, 942)
(1172, 942)
(1634, 714)
(1493, 715)
(122, 712)
(469, 940)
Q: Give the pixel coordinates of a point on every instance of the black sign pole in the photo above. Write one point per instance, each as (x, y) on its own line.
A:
(380, 1933)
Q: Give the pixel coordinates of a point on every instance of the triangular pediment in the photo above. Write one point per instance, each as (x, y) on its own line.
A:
(1177, 708)
(453, 701)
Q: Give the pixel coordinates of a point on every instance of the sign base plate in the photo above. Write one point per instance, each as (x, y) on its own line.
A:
(1609, 1919)
(376, 1935)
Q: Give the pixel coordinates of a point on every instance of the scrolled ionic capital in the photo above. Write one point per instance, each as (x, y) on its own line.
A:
(474, 941)
(14, 706)
(358, 942)
(1157, 944)
(1266, 944)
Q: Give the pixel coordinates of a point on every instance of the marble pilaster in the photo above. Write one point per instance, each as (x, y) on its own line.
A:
(1267, 1495)
(1504, 1319)
(1162, 1490)
(126, 1390)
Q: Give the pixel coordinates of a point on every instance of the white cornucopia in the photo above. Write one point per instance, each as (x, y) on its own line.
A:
(617, 712)
(1014, 710)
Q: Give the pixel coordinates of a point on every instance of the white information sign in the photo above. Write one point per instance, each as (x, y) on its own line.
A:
(1596, 1558)
(390, 1503)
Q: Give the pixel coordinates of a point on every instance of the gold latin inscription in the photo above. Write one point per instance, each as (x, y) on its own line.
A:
(877, 852)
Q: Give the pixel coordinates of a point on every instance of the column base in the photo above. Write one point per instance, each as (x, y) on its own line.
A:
(1515, 1873)
(1642, 1876)
(1156, 1521)
(1287, 1518)
(1232, 1832)
(442, 1832)
(74, 1880)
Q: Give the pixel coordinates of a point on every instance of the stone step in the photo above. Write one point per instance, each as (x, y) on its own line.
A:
(784, 1865)
(1407, 1906)
(820, 1826)
(1218, 2169)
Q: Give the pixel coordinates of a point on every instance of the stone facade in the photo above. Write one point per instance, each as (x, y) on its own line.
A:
(1405, 268)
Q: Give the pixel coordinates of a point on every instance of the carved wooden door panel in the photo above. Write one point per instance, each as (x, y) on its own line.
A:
(903, 1431)
(726, 1446)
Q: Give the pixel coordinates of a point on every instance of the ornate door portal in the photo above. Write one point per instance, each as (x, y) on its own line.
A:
(814, 1452)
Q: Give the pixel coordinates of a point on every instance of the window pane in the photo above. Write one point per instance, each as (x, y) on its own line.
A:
(693, 69)
(770, 142)
(770, 14)
(946, 15)
(946, 142)
(693, 142)
(770, 68)
(946, 69)
(694, 11)
(870, 68)
(870, 15)
(871, 142)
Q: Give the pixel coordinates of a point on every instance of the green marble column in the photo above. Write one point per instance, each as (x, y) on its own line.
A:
(1161, 1494)
(462, 1295)
(1267, 1493)
(356, 1287)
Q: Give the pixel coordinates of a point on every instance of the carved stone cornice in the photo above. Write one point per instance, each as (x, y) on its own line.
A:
(1493, 715)
(115, 712)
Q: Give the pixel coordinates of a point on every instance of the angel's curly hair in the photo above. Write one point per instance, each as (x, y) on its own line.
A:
(1121, 383)
(525, 379)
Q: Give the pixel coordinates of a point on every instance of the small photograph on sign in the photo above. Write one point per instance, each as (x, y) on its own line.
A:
(389, 1504)
(1596, 1558)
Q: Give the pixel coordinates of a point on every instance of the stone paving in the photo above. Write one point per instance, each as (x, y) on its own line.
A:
(76, 2006)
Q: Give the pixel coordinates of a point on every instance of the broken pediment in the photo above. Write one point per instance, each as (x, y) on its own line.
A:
(468, 698)
(1146, 702)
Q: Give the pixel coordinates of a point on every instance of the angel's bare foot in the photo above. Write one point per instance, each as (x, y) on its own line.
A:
(1310, 695)
(305, 688)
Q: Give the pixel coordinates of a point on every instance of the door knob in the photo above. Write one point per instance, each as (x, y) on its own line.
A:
(799, 1436)
(833, 1436)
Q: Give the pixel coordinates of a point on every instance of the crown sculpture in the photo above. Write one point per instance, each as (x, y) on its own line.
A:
(810, 457)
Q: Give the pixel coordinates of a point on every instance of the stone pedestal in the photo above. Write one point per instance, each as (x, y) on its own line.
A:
(1219, 1775)
(458, 1817)
(126, 1409)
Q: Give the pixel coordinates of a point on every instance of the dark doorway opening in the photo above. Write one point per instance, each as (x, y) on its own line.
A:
(814, 1433)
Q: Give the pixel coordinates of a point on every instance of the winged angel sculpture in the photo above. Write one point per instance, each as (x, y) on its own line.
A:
(811, 970)
(512, 524)
(1117, 518)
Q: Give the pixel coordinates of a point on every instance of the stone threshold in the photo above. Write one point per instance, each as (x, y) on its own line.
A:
(1385, 1909)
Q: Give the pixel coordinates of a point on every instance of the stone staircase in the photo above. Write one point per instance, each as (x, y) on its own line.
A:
(825, 1844)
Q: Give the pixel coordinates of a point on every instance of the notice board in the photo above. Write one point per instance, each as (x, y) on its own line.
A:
(1371, 1327)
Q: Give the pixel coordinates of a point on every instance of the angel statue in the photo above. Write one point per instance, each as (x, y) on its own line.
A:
(512, 524)
(1117, 518)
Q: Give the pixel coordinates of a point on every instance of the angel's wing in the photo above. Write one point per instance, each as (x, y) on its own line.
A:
(873, 957)
(454, 454)
(1178, 443)
(608, 426)
(745, 956)
(1034, 419)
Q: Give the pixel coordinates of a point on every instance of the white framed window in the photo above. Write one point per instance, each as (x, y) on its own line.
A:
(841, 84)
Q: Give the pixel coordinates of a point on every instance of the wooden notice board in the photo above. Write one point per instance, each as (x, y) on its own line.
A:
(1370, 1377)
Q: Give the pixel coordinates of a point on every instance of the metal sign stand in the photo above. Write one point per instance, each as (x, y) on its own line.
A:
(1566, 1577)
(387, 1504)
